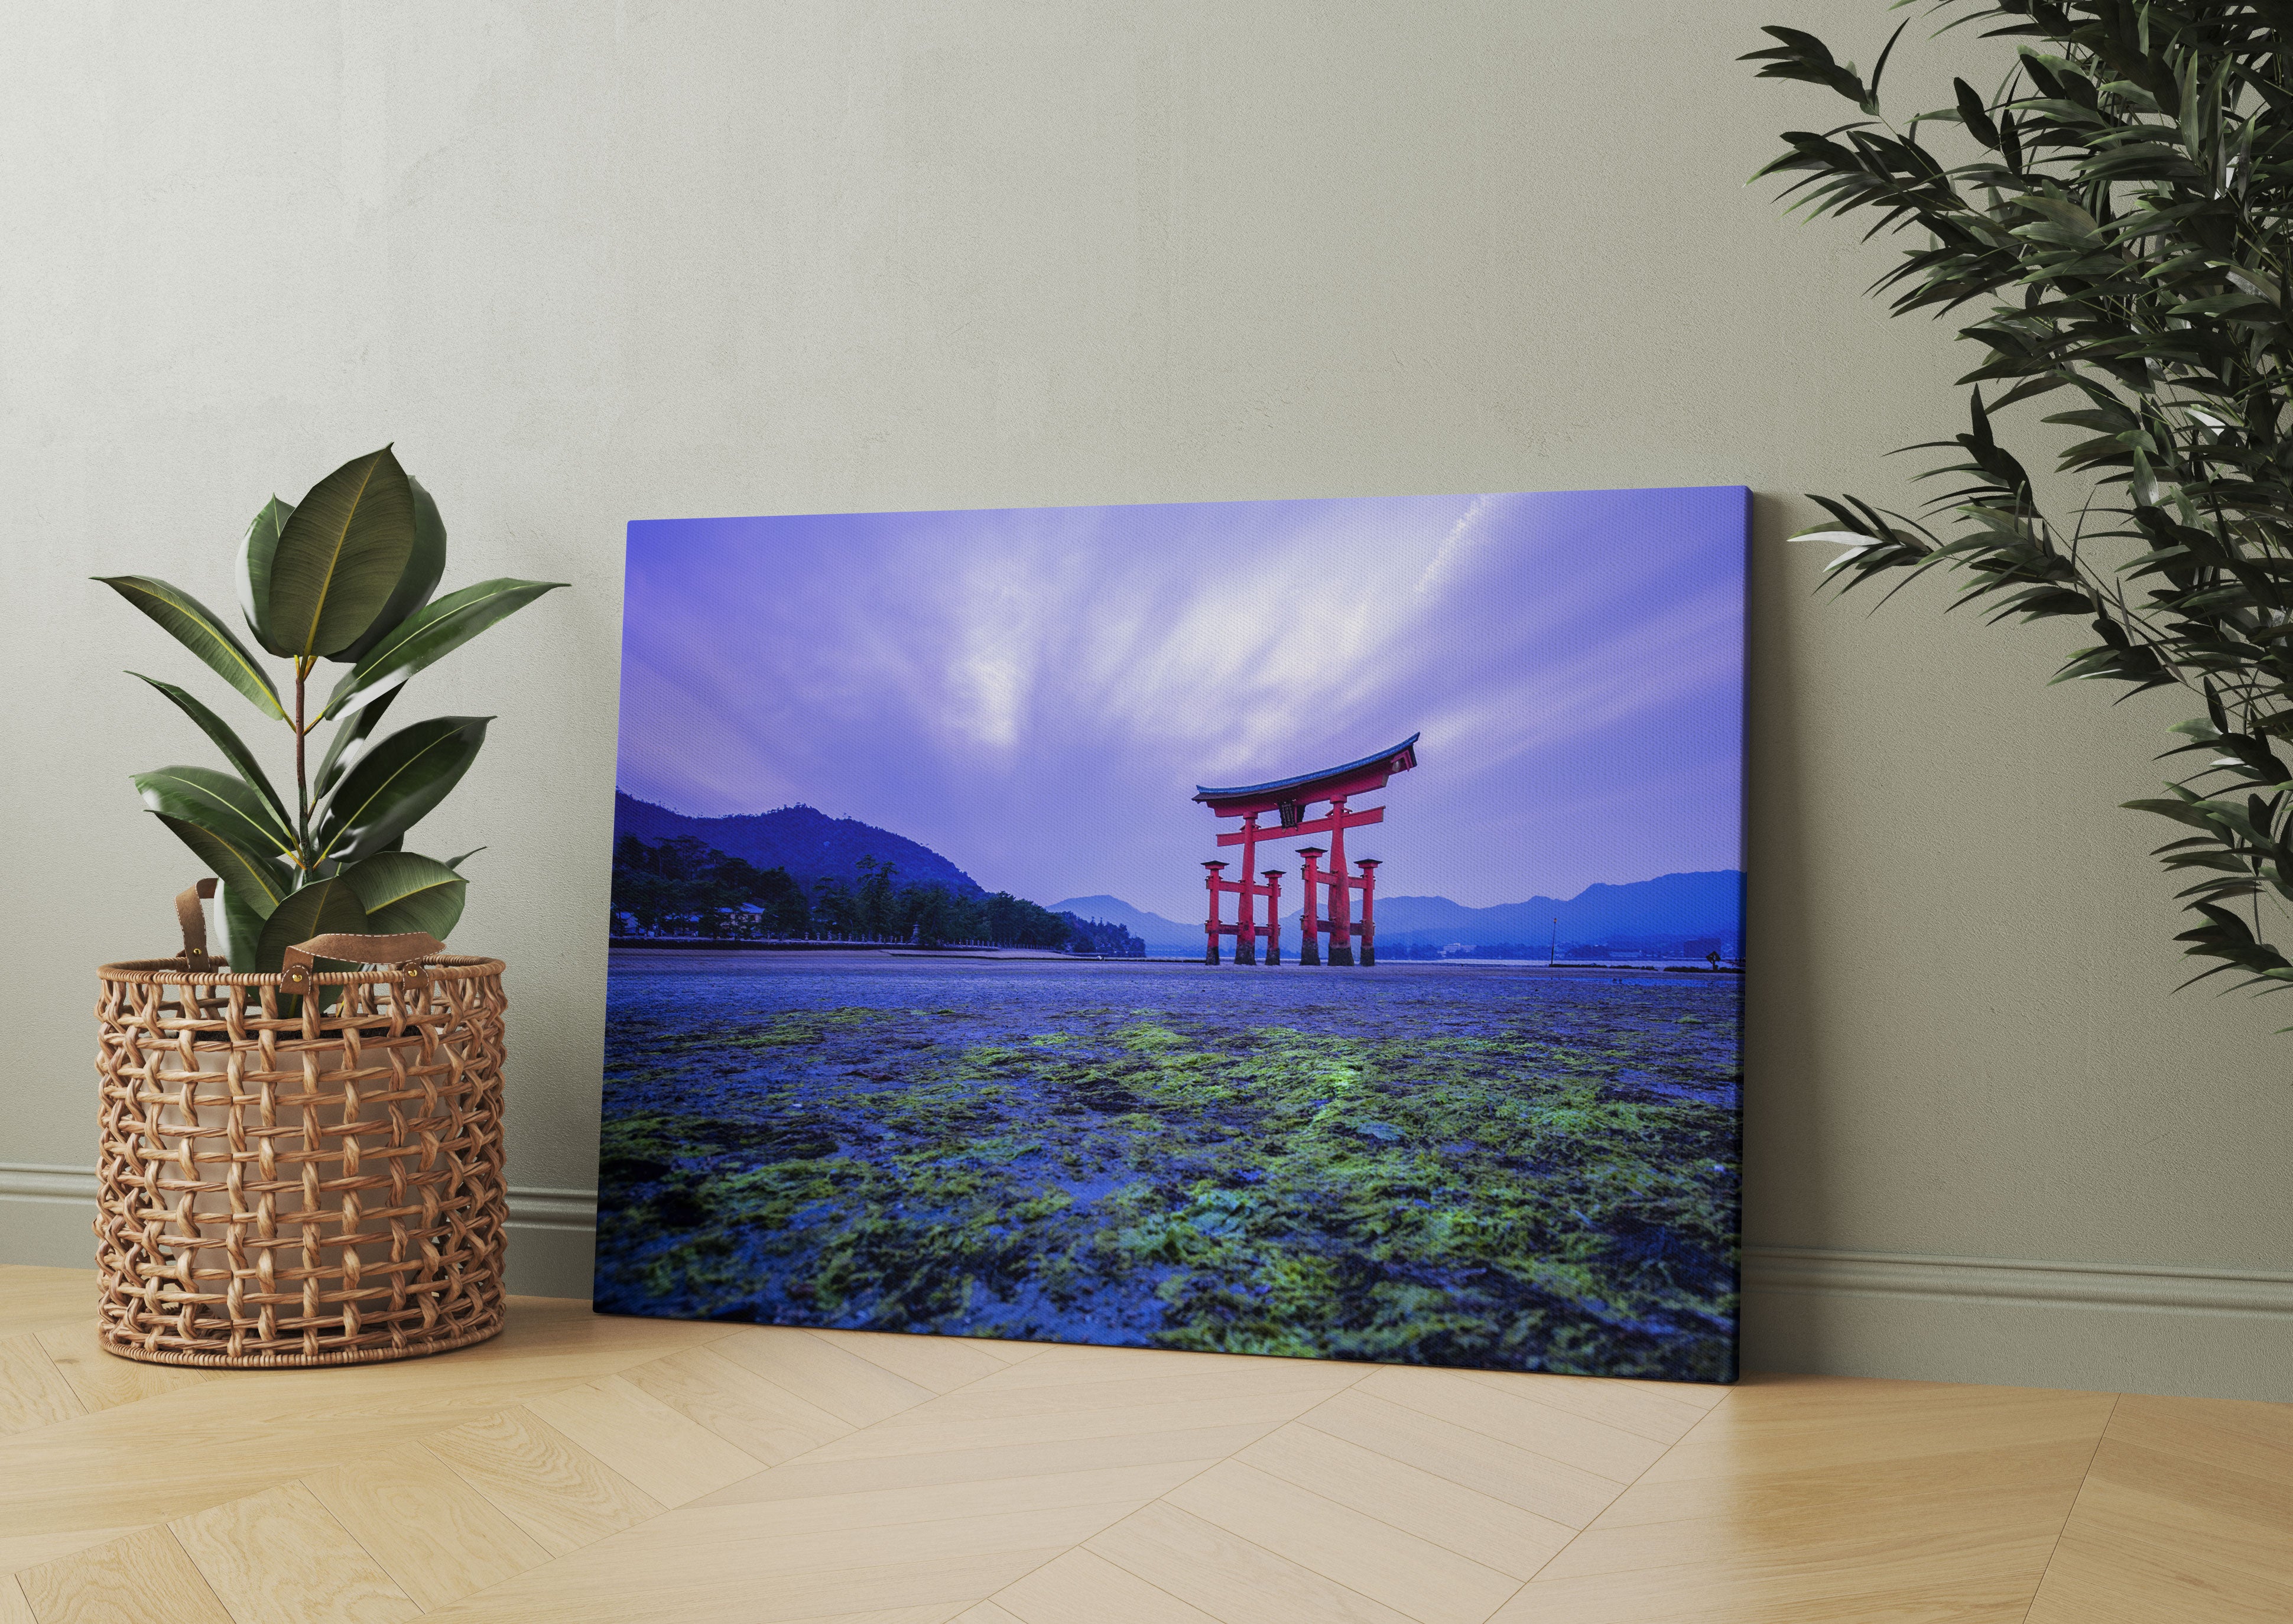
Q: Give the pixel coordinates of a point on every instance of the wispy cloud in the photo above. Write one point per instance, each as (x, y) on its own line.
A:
(1035, 692)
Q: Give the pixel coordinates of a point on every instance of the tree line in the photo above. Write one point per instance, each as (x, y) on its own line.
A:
(685, 887)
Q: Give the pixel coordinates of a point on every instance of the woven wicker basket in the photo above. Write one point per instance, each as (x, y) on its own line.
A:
(294, 1176)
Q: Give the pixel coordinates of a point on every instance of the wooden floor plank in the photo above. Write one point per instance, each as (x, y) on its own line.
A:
(144, 1579)
(941, 1363)
(1777, 1519)
(1824, 1500)
(1491, 1532)
(1009, 1352)
(847, 1478)
(1229, 1577)
(430, 1531)
(1551, 1489)
(920, 1592)
(1188, 1450)
(252, 1430)
(853, 1389)
(924, 1432)
(1057, 1363)
(2160, 1535)
(755, 1416)
(676, 1566)
(102, 1379)
(280, 1558)
(1991, 1585)
(1515, 1417)
(813, 1512)
(561, 1495)
(662, 1451)
(1414, 1576)
(987, 1612)
(1000, 1397)
(33, 1392)
(1083, 1588)
(37, 1298)
(1661, 1410)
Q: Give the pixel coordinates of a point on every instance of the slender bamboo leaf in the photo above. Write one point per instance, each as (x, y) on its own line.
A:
(196, 627)
(233, 748)
(396, 784)
(424, 565)
(401, 890)
(217, 801)
(429, 635)
(340, 556)
(256, 548)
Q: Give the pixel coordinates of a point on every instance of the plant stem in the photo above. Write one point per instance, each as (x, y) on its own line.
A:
(302, 786)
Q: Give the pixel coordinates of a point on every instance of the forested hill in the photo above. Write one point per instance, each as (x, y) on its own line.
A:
(809, 844)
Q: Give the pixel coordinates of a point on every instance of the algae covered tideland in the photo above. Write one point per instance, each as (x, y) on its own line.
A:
(1457, 1166)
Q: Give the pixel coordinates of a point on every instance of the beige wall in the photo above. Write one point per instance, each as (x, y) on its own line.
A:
(587, 263)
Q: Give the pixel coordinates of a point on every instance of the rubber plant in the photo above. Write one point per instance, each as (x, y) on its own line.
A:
(346, 576)
(2110, 223)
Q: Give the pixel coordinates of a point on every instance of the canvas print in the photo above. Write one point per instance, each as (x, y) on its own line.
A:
(1301, 928)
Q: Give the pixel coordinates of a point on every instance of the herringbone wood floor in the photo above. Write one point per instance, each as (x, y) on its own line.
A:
(582, 1468)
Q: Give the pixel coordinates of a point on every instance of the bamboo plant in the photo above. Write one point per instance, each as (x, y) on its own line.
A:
(346, 576)
(2113, 222)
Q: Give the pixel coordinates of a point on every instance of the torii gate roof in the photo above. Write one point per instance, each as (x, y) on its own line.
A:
(1353, 778)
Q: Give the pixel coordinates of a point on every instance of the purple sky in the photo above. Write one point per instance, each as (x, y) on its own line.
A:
(1035, 693)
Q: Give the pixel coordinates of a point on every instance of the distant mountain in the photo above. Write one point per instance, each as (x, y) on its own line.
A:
(1709, 903)
(1669, 908)
(809, 844)
(1158, 933)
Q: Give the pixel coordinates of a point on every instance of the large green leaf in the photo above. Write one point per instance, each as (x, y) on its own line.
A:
(256, 548)
(195, 626)
(424, 565)
(262, 880)
(341, 555)
(349, 744)
(319, 909)
(430, 634)
(401, 890)
(238, 927)
(233, 748)
(217, 801)
(396, 784)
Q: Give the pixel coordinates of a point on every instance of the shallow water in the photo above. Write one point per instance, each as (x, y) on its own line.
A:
(1486, 1165)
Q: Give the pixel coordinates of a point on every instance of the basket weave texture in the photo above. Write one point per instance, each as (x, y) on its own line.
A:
(285, 1184)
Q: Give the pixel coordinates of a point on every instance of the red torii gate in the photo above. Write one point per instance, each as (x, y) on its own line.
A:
(1290, 798)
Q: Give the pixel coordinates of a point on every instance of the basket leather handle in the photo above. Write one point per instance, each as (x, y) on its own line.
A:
(193, 919)
(295, 963)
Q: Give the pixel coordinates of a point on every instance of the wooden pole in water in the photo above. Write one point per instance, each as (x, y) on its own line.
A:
(1246, 916)
(1310, 923)
(1211, 925)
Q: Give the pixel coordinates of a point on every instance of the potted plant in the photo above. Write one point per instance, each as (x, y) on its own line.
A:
(344, 576)
(302, 1136)
(2109, 225)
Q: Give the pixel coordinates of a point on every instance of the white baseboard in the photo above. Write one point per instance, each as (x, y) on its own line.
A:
(2209, 1333)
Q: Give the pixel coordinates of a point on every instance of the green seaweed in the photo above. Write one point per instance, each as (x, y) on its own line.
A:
(1498, 1198)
